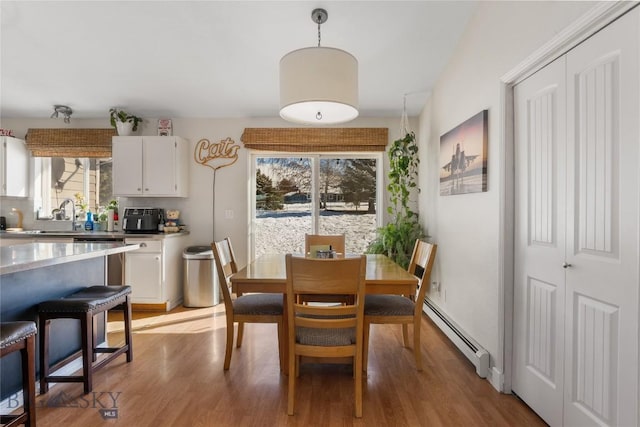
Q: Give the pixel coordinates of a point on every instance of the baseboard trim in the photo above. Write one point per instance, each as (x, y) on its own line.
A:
(150, 307)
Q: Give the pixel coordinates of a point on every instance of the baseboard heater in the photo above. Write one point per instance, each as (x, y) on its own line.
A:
(471, 349)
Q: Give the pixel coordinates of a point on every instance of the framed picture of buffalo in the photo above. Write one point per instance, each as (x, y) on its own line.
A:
(463, 157)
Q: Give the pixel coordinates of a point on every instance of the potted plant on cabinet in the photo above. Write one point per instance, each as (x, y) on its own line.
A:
(124, 122)
(397, 238)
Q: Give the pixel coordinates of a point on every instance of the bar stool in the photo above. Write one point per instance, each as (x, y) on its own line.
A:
(83, 306)
(16, 336)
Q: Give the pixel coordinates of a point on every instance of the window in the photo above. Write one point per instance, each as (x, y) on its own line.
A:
(315, 193)
(60, 178)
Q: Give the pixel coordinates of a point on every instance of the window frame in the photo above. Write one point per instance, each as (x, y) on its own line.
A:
(42, 189)
(315, 158)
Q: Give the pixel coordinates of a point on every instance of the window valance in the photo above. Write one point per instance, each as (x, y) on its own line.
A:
(70, 142)
(316, 139)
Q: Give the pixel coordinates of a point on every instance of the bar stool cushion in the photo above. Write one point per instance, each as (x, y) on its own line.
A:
(93, 298)
(13, 332)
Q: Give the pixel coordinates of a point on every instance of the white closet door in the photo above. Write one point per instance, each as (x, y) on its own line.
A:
(540, 126)
(601, 371)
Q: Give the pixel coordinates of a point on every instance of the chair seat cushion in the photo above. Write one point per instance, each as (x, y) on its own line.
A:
(13, 332)
(325, 337)
(257, 304)
(93, 298)
(388, 305)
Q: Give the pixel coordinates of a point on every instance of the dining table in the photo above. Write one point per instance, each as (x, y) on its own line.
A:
(268, 274)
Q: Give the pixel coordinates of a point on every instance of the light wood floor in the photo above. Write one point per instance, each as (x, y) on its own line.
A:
(176, 379)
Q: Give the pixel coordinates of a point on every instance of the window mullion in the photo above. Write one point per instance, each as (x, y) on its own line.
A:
(315, 191)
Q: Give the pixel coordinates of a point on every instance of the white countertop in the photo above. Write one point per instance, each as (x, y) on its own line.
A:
(28, 256)
(49, 234)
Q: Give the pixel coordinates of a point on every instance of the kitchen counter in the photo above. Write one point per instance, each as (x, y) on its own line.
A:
(30, 234)
(29, 256)
(31, 273)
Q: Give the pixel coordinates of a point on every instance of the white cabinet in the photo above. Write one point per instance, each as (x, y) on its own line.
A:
(154, 271)
(143, 271)
(150, 166)
(14, 167)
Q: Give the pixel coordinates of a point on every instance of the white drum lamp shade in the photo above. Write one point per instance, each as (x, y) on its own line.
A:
(318, 86)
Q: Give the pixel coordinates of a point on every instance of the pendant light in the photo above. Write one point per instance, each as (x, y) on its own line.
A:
(318, 85)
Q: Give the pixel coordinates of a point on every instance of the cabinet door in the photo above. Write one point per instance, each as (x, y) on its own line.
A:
(127, 166)
(14, 170)
(159, 166)
(143, 272)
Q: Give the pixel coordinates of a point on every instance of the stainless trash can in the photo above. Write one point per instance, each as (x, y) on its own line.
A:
(199, 283)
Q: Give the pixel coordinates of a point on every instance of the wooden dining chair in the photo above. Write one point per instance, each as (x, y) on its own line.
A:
(401, 309)
(325, 331)
(336, 241)
(249, 308)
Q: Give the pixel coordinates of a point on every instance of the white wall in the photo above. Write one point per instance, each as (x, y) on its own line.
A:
(196, 210)
(467, 227)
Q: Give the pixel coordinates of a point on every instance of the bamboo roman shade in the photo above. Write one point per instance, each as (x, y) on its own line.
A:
(70, 142)
(316, 139)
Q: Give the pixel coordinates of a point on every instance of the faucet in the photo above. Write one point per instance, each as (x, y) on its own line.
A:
(73, 212)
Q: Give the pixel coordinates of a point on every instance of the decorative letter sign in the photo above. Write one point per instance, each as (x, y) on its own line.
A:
(216, 155)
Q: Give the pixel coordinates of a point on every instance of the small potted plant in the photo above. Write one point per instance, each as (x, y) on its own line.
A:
(124, 122)
(101, 219)
(81, 206)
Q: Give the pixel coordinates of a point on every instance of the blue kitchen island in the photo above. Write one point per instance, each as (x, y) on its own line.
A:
(35, 272)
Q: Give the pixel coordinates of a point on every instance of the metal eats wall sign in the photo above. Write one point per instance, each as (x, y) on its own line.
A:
(216, 155)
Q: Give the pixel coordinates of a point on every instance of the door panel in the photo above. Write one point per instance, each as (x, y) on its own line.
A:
(601, 375)
(540, 241)
(576, 331)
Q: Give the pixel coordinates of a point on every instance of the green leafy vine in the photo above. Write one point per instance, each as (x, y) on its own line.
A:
(397, 238)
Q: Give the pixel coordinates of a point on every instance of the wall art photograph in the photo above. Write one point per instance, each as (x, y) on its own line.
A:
(463, 157)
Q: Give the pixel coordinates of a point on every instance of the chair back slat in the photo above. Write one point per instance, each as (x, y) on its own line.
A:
(421, 264)
(340, 323)
(313, 310)
(337, 242)
(225, 268)
(324, 276)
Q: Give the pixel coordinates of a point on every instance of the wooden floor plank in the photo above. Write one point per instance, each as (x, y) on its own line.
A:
(176, 379)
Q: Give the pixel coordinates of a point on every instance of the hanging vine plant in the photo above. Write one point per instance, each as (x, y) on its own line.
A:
(397, 238)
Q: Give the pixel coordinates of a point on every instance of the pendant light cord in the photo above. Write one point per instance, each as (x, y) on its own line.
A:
(404, 121)
(319, 22)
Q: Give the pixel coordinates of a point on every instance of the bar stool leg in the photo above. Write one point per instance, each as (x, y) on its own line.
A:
(86, 327)
(29, 380)
(43, 332)
(127, 328)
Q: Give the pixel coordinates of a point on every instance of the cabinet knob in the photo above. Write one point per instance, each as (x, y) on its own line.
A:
(566, 265)
(139, 189)
(146, 189)
(143, 245)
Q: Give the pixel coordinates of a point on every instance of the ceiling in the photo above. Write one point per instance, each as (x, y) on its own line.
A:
(212, 59)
